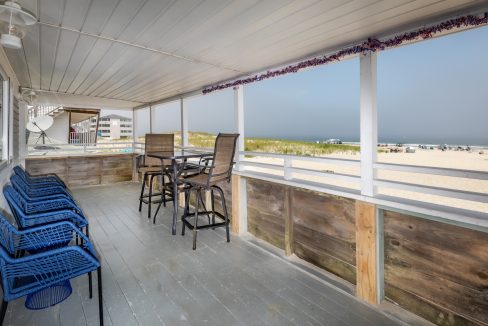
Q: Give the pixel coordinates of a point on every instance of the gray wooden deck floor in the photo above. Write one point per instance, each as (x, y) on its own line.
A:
(154, 278)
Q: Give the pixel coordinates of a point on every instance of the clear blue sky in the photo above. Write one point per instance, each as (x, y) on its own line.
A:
(433, 91)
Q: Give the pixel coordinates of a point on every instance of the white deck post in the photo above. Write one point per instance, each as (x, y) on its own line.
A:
(134, 140)
(150, 119)
(184, 123)
(239, 122)
(239, 184)
(368, 123)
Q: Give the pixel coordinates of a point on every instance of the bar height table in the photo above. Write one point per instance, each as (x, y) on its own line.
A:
(179, 155)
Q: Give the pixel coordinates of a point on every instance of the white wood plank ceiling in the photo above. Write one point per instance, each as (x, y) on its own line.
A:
(127, 52)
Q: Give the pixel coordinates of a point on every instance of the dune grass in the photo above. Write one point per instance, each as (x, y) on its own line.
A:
(281, 146)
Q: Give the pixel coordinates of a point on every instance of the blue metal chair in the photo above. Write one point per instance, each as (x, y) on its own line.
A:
(28, 214)
(33, 194)
(40, 179)
(50, 263)
(47, 188)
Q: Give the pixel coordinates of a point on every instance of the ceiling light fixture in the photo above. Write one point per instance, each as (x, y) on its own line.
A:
(13, 16)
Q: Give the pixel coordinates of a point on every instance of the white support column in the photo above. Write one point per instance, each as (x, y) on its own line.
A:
(134, 140)
(368, 122)
(239, 184)
(184, 123)
(239, 122)
(23, 151)
(150, 119)
(6, 119)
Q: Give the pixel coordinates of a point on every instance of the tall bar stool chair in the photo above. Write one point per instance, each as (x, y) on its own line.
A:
(218, 171)
(152, 168)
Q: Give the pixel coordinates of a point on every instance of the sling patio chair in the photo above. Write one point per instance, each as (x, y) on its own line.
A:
(217, 171)
(152, 167)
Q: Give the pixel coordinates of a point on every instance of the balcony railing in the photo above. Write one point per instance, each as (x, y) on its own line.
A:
(88, 137)
(293, 170)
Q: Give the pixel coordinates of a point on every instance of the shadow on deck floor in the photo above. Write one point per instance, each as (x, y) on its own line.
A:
(154, 278)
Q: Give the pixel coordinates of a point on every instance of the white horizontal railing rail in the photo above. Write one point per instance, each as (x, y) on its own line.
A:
(289, 172)
(433, 170)
(79, 149)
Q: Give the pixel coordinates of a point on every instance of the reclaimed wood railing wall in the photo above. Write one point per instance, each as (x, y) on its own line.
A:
(436, 270)
(79, 171)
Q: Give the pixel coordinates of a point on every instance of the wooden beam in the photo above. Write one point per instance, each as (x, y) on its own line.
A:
(239, 205)
(367, 287)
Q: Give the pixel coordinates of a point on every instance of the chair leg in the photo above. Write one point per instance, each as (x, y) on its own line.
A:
(142, 191)
(185, 211)
(149, 198)
(90, 284)
(3, 311)
(197, 203)
(100, 295)
(163, 191)
(224, 207)
(212, 201)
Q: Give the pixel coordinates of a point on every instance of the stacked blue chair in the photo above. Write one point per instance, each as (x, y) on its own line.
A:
(42, 180)
(28, 214)
(35, 192)
(44, 275)
(32, 195)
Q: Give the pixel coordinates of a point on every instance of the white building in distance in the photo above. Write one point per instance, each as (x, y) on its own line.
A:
(113, 126)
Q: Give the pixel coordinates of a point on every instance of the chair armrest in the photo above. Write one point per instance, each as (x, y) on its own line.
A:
(48, 236)
(43, 218)
(50, 205)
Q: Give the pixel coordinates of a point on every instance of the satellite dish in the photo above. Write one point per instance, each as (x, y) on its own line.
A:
(40, 125)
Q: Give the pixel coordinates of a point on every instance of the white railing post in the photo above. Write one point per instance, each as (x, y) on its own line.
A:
(184, 123)
(150, 119)
(287, 165)
(239, 123)
(368, 123)
(239, 184)
(133, 130)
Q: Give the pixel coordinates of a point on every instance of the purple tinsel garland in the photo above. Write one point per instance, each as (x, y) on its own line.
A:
(371, 44)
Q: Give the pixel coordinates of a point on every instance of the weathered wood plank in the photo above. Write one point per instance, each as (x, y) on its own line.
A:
(366, 252)
(265, 213)
(289, 233)
(84, 170)
(324, 231)
(436, 270)
(328, 214)
(46, 166)
(235, 223)
(328, 262)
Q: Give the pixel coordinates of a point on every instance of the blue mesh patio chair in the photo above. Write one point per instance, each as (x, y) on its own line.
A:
(33, 194)
(49, 205)
(44, 189)
(34, 214)
(41, 179)
(44, 275)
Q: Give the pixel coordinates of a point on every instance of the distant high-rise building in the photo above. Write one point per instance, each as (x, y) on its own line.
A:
(113, 126)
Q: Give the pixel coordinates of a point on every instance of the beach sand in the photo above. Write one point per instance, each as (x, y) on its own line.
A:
(431, 158)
